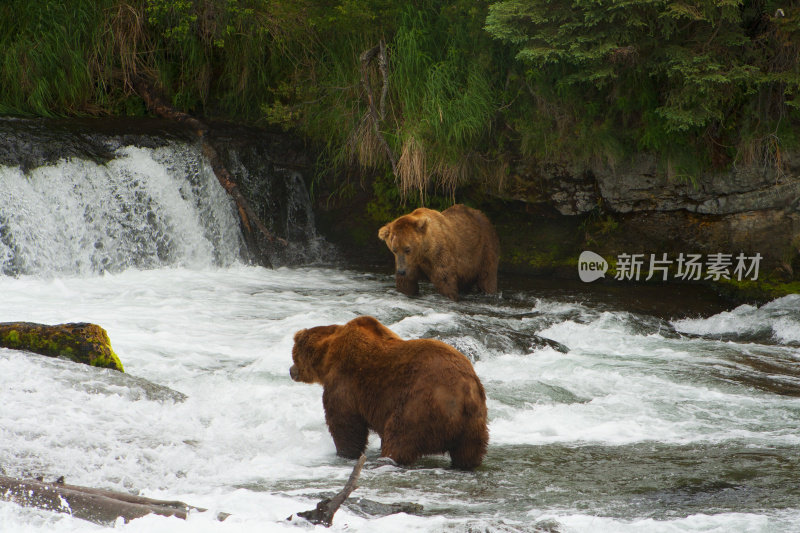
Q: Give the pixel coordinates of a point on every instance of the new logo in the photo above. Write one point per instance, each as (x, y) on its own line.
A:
(591, 266)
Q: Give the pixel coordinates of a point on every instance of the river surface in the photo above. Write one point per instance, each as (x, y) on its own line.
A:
(664, 412)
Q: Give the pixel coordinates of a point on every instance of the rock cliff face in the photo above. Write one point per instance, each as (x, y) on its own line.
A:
(750, 209)
(641, 186)
(271, 170)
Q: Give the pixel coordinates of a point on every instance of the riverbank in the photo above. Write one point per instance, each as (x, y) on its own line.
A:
(542, 231)
(539, 242)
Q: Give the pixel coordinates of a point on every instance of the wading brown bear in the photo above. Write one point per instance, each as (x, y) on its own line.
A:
(421, 396)
(455, 249)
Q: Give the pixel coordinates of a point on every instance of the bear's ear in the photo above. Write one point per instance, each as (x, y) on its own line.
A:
(383, 233)
(422, 224)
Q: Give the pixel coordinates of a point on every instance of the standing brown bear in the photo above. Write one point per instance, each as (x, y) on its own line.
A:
(454, 249)
(421, 396)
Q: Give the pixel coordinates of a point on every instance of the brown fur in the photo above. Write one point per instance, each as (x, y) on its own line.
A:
(455, 249)
(421, 396)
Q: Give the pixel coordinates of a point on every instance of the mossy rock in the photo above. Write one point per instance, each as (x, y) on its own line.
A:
(80, 342)
(760, 292)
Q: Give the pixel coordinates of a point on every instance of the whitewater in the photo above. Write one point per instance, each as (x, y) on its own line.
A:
(647, 423)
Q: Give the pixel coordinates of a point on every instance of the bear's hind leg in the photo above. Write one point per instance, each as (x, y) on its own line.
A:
(468, 454)
(396, 445)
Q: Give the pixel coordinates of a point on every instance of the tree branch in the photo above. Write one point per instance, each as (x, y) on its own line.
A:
(323, 514)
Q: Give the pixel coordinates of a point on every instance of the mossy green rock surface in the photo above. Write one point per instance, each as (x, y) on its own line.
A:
(80, 342)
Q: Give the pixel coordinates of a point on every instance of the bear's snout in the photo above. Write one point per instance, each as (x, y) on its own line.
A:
(294, 373)
(401, 272)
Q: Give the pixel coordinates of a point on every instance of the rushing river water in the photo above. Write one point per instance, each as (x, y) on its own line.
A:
(662, 415)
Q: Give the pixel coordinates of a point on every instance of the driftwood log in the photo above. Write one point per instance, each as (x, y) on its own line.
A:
(159, 105)
(323, 513)
(95, 505)
(80, 342)
(105, 507)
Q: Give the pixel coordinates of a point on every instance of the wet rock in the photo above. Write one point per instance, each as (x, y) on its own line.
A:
(131, 387)
(31, 143)
(80, 342)
(371, 508)
(774, 234)
(271, 170)
(641, 186)
(479, 345)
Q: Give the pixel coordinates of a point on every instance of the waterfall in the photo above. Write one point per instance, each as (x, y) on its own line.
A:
(144, 208)
(86, 203)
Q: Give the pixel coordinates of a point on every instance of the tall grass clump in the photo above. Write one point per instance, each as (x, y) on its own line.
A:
(441, 100)
(53, 57)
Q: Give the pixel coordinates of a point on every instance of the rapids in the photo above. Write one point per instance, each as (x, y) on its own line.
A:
(660, 416)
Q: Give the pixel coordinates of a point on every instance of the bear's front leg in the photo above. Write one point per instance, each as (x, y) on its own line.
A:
(349, 435)
(408, 285)
(446, 284)
(487, 278)
(348, 429)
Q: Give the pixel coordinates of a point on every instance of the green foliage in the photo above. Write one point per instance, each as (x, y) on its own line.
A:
(222, 56)
(176, 17)
(386, 203)
(442, 95)
(52, 56)
(668, 76)
(471, 85)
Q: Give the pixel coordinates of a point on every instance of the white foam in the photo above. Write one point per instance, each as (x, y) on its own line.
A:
(780, 318)
(145, 207)
(249, 441)
(716, 523)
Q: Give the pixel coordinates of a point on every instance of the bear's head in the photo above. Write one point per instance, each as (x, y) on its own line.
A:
(309, 353)
(317, 349)
(405, 237)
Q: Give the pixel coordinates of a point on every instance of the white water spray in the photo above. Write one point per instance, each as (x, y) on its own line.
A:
(145, 208)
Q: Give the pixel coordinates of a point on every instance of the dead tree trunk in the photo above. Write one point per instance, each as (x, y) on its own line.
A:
(377, 114)
(95, 505)
(159, 105)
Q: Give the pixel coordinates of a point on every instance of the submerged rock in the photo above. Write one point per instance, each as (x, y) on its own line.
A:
(80, 342)
(373, 509)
